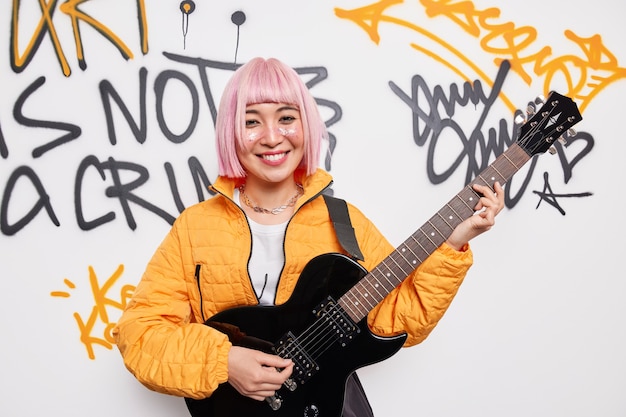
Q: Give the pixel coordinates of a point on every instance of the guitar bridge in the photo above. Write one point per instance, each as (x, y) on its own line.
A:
(304, 365)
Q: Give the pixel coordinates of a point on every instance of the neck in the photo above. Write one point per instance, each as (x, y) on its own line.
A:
(269, 204)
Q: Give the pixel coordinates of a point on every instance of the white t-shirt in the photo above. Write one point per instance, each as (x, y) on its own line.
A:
(267, 258)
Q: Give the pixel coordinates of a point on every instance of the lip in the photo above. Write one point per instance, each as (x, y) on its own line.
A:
(274, 158)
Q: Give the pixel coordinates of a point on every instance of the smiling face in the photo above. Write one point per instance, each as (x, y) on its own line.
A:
(273, 143)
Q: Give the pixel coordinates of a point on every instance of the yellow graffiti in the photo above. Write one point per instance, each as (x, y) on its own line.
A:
(46, 25)
(64, 294)
(99, 314)
(585, 75)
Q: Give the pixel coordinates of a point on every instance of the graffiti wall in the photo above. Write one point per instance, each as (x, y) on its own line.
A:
(106, 134)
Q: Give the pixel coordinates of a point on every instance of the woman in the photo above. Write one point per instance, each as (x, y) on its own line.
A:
(248, 244)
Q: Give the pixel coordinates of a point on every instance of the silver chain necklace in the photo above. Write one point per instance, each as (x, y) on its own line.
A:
(275, 210)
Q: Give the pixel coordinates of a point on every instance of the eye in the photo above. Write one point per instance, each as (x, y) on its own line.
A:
(251, 122)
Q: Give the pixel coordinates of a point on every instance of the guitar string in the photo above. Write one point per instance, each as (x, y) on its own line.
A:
(319, 337)
(310, 340)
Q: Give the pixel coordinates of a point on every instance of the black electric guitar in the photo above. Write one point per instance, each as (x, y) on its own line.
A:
(323, 327)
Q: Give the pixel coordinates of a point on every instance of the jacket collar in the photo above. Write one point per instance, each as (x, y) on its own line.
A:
(313, 184)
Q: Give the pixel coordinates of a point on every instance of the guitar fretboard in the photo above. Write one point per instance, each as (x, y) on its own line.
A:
(387, 275)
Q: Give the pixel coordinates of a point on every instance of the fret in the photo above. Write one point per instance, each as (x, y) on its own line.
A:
(417, 260)
(484, 181)
(447, 221)
(348, 306)
(355, 302)
(489, 173)
(399, 265)
(518, 157)
(510, 161)
(424, 234)
(379, 271)
(422, 248)
(470, 198)
(452, 214)
(364, 296)
(502, 177)
(413, 260)
(435, 228)
(389, 272)
(375, 284)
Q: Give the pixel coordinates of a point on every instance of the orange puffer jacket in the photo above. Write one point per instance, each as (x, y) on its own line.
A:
(160, 334)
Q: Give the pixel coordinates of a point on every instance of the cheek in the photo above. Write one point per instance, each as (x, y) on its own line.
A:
(294, 134)
(252, 136)
(290, 132)
(244, 151)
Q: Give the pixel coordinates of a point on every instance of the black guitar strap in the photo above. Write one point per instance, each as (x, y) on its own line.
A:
(338, 211)
(355, 402)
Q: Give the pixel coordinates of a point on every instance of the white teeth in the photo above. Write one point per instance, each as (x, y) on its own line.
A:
(274, 157)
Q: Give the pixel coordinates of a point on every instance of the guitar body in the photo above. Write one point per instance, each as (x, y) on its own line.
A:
(329, 275)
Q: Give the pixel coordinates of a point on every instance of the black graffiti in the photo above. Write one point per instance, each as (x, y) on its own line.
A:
(43, 202)
(479, 148)
(568, 165)
(140, 130)
(551, 198)
(4, 151)
(110, 175)
(108, 93)
(73, 131)
(123, 191)
(109, 172)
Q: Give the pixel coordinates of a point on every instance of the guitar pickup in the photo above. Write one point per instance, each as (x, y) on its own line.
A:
(336, 321)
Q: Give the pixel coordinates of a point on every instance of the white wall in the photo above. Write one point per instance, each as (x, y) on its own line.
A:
(538, 328)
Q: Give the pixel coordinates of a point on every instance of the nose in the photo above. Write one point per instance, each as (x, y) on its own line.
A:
(273, 135)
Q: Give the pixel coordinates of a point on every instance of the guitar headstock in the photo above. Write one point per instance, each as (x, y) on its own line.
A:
(548, 124)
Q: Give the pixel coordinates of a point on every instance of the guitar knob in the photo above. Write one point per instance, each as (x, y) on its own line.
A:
(275, 402)
(311, 411)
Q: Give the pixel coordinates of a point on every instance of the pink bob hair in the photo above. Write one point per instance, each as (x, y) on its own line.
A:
(265, 81)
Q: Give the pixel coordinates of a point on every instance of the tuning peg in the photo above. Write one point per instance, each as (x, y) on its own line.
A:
(530, 109)
(540, 99)
(571, 132)
(562, 140)
(519, 120)
(552, 150)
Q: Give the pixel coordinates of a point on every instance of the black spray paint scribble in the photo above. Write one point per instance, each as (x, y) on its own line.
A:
(429, 124)
(550, 197)
(116, 173)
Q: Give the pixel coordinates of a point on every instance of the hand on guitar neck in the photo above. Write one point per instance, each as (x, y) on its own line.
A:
(489, 205)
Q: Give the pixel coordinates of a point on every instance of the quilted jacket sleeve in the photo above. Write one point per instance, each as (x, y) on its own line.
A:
(419, 302)
(159, 342)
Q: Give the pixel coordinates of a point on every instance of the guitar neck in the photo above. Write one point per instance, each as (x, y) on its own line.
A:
(387, 275)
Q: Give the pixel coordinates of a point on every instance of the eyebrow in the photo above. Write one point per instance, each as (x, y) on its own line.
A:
(282, 108)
